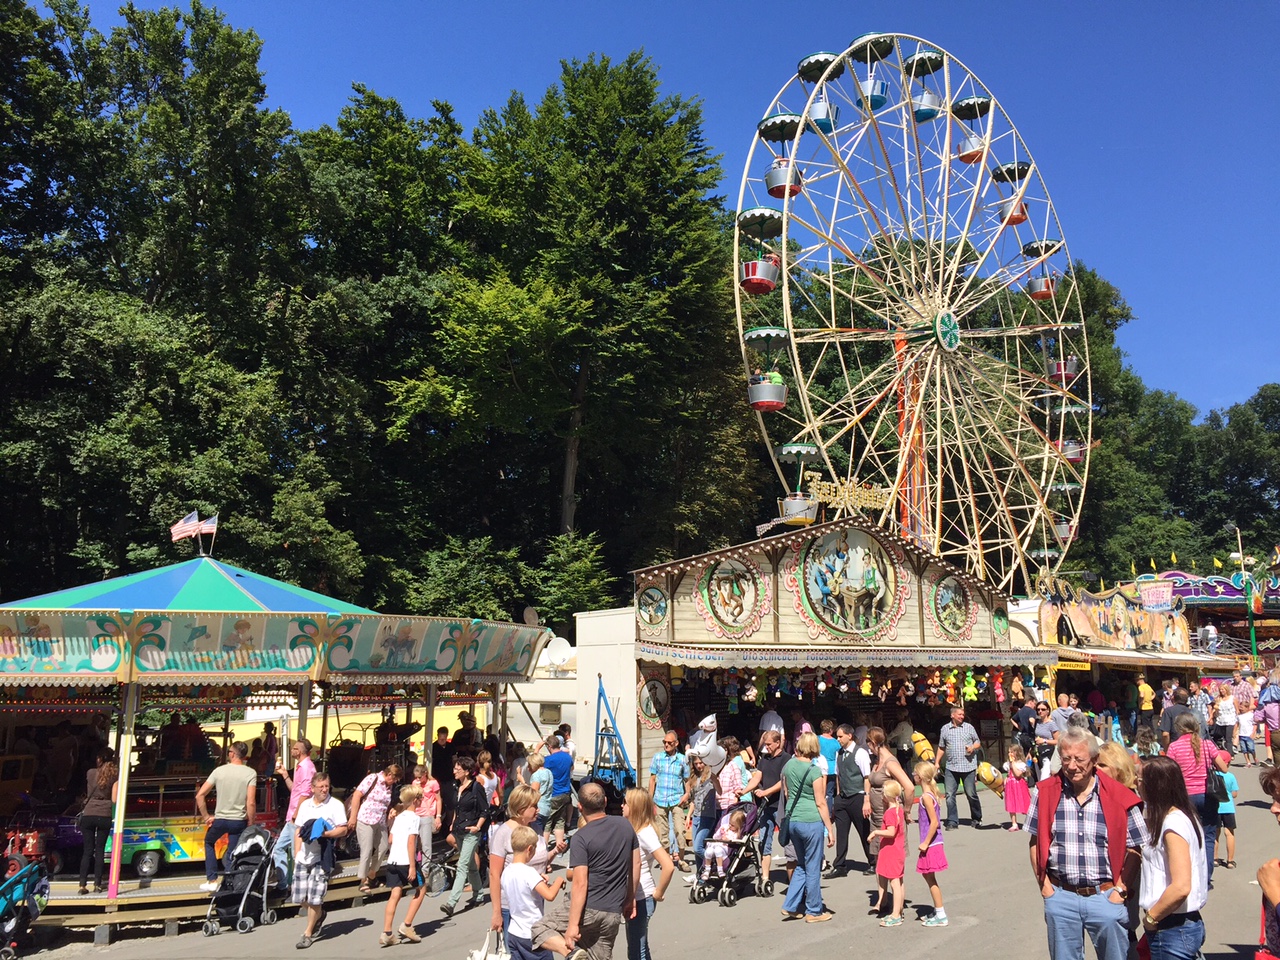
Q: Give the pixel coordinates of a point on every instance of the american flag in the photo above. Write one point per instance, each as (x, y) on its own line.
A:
(188, 526)
(209, 524)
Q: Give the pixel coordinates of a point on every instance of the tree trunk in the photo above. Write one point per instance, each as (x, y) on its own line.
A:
(568, 487)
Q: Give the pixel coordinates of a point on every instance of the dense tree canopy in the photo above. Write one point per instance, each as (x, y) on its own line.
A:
(439, 372)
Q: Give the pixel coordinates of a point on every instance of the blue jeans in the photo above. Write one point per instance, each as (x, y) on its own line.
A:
(231, 829)
(282, 853)
(969, 780)
(701, 834)
(467, 872)
(638, 930)
(1208, 825)
(804, 892)
(1068, 916)
(1177, 943)
(768, 823)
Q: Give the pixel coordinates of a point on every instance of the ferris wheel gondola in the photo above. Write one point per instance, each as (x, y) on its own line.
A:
(894, 226)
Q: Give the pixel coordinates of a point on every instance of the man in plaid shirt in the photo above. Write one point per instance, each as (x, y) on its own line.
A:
(668, 775)
(1087, 835)
(957, 744)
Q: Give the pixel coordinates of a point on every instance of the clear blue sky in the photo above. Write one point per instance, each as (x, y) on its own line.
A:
(1155, 124)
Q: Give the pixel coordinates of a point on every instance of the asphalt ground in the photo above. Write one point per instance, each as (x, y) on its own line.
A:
(991, 899)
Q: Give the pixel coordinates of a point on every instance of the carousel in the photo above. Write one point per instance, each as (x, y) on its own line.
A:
(206, 635)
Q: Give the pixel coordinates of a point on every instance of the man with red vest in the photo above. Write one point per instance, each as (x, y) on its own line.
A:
(1087, 835)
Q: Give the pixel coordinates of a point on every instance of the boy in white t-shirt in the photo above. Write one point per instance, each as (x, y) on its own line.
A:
(402, 868)
(522, 886)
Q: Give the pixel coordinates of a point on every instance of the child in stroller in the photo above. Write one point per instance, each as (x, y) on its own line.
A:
(242, 899)
(732, 858)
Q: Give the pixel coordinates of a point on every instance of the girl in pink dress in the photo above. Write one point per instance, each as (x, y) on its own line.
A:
(891, 860)
(1017, 795)
(932, 859)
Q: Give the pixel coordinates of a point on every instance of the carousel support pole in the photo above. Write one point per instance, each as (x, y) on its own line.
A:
(506, 729)
(304, 708)
(324, 733)
(226, 732)
(430, 736)
(494, 711)
(122, 792)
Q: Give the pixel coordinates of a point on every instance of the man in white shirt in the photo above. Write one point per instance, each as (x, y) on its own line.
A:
(853, 766)
(310, 875)
(566, 740)
(771, 720)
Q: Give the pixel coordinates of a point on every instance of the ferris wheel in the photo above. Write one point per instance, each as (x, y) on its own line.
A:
(908, 314)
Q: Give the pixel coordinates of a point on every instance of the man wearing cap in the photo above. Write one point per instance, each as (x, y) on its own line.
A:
(468, 738)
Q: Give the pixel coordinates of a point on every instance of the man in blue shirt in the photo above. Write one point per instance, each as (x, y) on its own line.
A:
(668, 775)
(560, 763)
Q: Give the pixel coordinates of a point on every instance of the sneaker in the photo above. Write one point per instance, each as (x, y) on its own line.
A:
(209, 886)
(820, 917)
(447, 909)
(577, 953)
(408, 933)
(891, 922)
(387, 940)
(304, 942)
(691, 879)
(933, 920)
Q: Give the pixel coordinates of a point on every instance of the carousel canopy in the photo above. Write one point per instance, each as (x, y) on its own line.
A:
(202, 584)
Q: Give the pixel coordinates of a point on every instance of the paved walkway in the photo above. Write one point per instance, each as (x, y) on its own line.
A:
(991, 900)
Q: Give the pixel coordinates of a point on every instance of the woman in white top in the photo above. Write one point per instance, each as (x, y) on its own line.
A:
(638, 808)
(522, 810)
(1175, 870)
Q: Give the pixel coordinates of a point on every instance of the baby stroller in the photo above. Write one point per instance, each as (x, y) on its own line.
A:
(742, 867)
(24, 891)
(242, 901)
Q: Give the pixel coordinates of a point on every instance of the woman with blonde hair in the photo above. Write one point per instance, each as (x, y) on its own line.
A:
(522, 810)
(637, 806)
(1117, 763)
(805, 818)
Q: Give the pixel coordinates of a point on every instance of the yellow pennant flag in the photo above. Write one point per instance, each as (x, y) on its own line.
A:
(1217, 563)
(1153, 563)
(1133, 571)
(1102, 585)
(1174, 557)
(1193, 564)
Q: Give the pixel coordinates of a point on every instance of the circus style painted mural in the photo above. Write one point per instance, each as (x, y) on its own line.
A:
(847, 584)
(733, 597)
(1125, 617)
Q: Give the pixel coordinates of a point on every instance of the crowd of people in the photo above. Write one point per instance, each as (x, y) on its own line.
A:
(1126, 817)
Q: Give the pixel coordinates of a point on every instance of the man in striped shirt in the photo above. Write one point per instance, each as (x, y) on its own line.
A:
(957, 744)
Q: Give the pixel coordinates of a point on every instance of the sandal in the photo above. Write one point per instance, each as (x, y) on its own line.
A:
(1230, 864)
(366, 889)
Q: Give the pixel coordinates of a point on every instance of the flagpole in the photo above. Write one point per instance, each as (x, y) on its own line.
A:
(213, 539)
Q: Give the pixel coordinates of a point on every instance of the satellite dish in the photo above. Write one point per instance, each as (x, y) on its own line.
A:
(530, 616)
(559, 651)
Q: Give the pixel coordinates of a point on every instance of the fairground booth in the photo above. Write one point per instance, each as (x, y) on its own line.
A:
(1105, 639)
(841, 620)
(125, 662)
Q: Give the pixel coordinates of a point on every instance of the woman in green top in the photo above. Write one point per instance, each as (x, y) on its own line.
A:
(804, 809)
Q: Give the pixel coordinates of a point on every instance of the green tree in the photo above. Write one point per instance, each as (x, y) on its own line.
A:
(571, 577)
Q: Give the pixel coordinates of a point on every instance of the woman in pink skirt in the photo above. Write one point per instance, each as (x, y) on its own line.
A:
(1017, 795)
(932, 858)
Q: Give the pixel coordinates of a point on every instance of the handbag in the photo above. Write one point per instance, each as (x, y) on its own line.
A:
(784, 827)
(1215, 786)
(498, 951)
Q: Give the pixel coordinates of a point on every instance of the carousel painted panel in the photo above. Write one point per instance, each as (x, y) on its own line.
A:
(187, 643)
(848, 585)
(1117, 618)
(39, 646)
(431, 645)
(950, 608)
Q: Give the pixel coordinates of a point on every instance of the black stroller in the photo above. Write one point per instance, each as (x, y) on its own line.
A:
(245, 897)
(742, 866)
